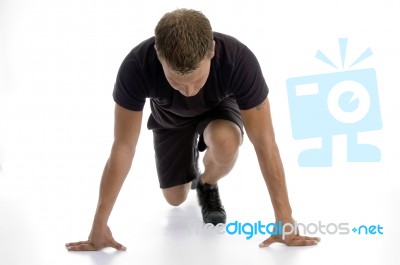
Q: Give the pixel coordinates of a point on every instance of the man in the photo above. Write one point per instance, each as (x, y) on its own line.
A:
(202, 84)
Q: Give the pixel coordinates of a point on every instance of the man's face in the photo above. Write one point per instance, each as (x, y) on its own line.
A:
(188, 84)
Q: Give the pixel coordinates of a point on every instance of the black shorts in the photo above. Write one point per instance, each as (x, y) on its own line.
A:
(177, 150)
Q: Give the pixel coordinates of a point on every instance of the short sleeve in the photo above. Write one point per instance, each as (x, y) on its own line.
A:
(248, 83)
(130, 89)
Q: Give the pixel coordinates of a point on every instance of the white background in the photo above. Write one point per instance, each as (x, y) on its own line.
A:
(58, 63)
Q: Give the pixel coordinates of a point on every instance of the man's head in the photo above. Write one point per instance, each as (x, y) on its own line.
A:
(185, 46)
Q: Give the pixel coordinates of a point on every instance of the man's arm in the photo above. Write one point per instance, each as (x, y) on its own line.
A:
(258, 124)
(127, 127)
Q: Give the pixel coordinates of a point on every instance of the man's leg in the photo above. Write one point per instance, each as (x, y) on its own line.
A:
(223, 139)
(176, 160)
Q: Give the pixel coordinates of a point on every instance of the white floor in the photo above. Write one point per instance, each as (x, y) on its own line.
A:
(37, 221)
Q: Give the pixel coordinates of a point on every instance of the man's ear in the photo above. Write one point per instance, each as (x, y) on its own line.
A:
(155, 48)
(213, 50)
(158, 55)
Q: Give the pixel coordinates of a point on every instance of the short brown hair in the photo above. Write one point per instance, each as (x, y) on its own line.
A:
(183, 38)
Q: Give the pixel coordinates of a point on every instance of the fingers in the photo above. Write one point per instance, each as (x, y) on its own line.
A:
(77, 243)
(118, 246)
(80, 246)
(269, 241)
(294, 240)
(317, 239)
(88, 246)
(301, 241)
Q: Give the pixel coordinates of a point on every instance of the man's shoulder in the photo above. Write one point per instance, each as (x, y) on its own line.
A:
(228, 46)
(143, 49)
(225, 38)
(142, 59)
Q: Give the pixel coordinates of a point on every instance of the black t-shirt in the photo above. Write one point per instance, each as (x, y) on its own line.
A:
(235, 72)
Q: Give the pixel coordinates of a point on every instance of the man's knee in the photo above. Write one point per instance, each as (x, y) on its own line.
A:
(223, 137)
(176, 195)
(175, 201)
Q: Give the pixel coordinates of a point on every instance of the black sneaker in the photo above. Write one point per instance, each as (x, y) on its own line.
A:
(211, 206)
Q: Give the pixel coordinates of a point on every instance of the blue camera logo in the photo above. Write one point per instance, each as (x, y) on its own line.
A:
(344, 102)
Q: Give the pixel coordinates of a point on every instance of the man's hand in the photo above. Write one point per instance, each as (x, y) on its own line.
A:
(98, 239)
(291, 240)
(289, 237)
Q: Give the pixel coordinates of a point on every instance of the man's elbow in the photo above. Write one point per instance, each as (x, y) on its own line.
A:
(124, 146)
(263, 144)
